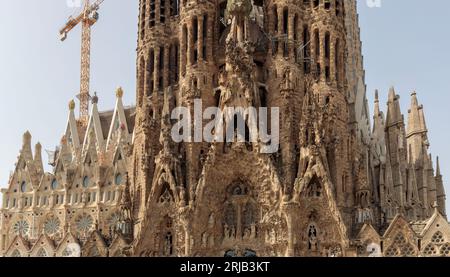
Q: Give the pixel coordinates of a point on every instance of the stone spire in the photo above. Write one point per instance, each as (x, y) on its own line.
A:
(394, 114)
(417, 131)
(378, 123)
(440, 191)
(38, 158)
(396, 146)
(26, 152)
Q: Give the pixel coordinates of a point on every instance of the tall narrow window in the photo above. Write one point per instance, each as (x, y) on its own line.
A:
(285, 32)
(161, 69)
(162, 11)
(338, 7)
(143, 18)
(327, 45)
(205, 35)
(173, 64)
(306, 50)
(317, 44)
(174, 7)
(152, 13)
(275, 19)
(195, 36)
(296, 38)
(337, 64)
(150, 70)
(285, 20)
(185, 49)
(275, 30)
(222, 23)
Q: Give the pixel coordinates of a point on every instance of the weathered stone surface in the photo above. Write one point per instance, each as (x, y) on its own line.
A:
(337, 187)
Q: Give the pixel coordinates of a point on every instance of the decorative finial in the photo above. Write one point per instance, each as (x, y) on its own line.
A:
(95, 98)
(72, 105)
(119, 92)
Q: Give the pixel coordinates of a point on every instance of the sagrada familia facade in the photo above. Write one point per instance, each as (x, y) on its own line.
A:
(339, 185)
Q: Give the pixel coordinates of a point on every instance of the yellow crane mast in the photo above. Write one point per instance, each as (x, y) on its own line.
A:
(88, 17)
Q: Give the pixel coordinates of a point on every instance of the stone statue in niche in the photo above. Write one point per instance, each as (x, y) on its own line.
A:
(226, 231)
(286, 83)
(204, 239)
(312, 238)
(247, 233)
(233, 232)
(253, 231)
(168, 246)
(211, 220)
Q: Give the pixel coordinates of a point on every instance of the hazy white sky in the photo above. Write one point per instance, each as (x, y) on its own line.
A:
(405, 43)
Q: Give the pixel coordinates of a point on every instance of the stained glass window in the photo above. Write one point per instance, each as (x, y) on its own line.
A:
(21, 227)
(84, 223)
(118, 179)
(54, 184)
(85, 181)
(23, 187)
(51, 226)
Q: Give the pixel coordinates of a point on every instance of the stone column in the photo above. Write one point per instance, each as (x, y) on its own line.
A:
(165, 66)
(157, 11)
(333, 56)
(183, 46)
(322, 57)
(200, 39)
(280, 30)
(209, 37)
(291, 34)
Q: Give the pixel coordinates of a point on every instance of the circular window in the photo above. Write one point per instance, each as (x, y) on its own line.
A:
(118, 180)
(114, 219)
(54, 184)
(85, 181)
(23, 187)
(51, 226)
(21, 228)
(84, 223)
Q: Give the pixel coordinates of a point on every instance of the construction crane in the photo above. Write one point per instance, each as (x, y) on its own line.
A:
(88, 17)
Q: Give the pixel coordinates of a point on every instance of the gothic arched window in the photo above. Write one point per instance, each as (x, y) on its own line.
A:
(85, 181)
(23, 187)
(54, 184)
(118, 179)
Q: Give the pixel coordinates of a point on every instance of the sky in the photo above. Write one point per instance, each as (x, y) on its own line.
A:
(406, 44)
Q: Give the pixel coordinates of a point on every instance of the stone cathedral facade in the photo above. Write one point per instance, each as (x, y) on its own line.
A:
(337, 186)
